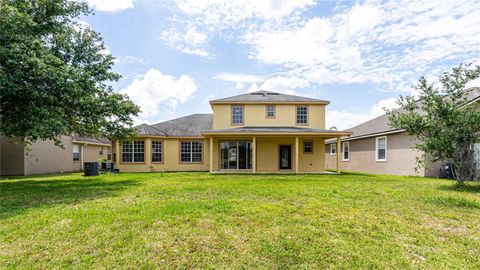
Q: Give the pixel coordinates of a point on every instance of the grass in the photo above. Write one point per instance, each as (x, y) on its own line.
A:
(197, 220)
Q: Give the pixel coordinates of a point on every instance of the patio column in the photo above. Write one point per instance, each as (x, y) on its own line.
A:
(254, 154)
(296, 154)
(339, 153)
(148, 152)
(211, 154)
(117, 153)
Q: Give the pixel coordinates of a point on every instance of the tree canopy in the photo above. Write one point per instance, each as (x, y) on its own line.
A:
(55, 74)
(445, 125)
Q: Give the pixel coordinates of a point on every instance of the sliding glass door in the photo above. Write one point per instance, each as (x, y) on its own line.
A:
(235, 155)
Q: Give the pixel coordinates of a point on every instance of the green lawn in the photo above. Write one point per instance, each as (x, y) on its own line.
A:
(197, 220)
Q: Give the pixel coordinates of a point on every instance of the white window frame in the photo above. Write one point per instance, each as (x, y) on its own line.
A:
(76, 151)
(333, 145)
(157, 150)
(237, 112)
(273, 111)
(190, 152)
(298, 115)
(132, 152)
(343, 151)
(377, 139)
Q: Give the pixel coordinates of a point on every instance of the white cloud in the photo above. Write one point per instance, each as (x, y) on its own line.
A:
(205, 19)
(392, 43)
(111, 5)
(191, 42)
(239, 79)
(154, 90)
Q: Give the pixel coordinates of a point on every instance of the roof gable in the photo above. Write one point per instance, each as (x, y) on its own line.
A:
(379, 125)
(191, 125)
(267, 97)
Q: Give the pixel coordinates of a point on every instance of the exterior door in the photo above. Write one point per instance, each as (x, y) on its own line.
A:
(285, 157)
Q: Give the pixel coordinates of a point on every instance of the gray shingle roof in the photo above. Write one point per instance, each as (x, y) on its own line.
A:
(191, 125)
(380, 125)
(268, 129)
(78, 138)
(267, 96)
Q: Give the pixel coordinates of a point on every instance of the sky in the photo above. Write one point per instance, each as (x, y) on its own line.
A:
(176, 55)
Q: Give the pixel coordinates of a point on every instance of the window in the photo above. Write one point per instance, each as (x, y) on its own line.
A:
(302, 115)
(237, 115)
(333, 149)
(308, 147)
(76, 152)
(133, 151)
(156, 151)
(381, 149)
(270, 111)
(191, 152)
(346, 151)
(235, 155)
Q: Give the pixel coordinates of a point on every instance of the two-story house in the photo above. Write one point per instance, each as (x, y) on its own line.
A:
(263, 131)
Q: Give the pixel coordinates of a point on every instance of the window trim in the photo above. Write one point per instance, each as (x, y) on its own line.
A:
(296, 115)
(79, 153)
(190, 162)
(312, 142)
(133, 163)
(377, 139)
(343, 151)
(331, 148)
(274, 111)
(231, 115)
(163, 152)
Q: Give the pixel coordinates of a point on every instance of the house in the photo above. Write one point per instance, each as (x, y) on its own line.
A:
(45, 157)
(258, 132)
(375, 147)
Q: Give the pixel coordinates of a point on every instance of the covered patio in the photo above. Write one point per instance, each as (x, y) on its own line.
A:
(269, 149)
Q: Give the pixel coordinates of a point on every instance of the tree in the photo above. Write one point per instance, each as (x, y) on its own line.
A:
(445, 126)
(55, 73)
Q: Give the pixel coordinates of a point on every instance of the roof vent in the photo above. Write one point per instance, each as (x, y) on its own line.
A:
(333, 128)
(272, 94)
(257, 94)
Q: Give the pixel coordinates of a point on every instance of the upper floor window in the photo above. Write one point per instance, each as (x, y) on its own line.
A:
(76, 152)
(381, 149)
(133, 151)
(237, 115)
(308, 147)
(346, 151)
(333, 149)
(157, 151)
(191, 151)
(270, 111)
(302, 115)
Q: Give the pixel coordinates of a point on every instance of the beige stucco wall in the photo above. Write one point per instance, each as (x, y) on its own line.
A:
(255, 115)
(401, 157)
(45, 157)
(171, 160)
(267, 155)
(11, 157)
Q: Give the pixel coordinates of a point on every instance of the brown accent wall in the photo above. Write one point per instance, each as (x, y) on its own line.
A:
(11, 157)
(401, 157)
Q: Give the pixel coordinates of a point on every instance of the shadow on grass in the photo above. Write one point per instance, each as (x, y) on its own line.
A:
(22, 195)
(468, 187)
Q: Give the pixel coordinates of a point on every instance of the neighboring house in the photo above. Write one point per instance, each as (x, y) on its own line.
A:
(45, 157)
(263, 132)
(375, 147)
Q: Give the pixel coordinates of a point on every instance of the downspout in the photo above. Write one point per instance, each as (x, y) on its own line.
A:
(81, 155)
